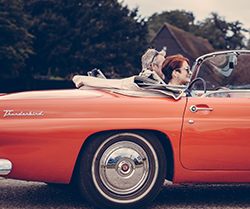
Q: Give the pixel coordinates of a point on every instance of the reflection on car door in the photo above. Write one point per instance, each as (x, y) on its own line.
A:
(216, 134)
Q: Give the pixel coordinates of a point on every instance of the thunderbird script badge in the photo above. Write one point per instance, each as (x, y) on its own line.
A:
(22, 113)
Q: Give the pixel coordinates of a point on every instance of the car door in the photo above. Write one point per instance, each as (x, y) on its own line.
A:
(216, 134)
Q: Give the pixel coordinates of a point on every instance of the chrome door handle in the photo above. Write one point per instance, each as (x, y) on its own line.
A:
(193, 108)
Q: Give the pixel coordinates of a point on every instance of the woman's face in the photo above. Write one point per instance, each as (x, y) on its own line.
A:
(183, 74)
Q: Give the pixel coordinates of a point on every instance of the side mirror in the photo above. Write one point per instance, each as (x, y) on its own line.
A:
(231, 65)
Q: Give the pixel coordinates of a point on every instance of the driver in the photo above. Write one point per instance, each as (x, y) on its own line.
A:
(176, 70)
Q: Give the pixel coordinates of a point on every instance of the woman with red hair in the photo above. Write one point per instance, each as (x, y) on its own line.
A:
(176, 69)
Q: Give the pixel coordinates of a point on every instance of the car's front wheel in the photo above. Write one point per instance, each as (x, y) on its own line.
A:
(122, 170)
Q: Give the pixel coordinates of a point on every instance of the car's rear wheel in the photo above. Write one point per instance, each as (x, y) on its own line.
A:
(122, 169)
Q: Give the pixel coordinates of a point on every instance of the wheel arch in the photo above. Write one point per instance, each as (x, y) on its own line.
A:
(162, 137)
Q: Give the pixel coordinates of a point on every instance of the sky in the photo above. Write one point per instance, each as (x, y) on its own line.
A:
(230, 10)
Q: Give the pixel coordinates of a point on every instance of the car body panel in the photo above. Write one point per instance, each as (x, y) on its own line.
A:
(45, 147)
(217, 139)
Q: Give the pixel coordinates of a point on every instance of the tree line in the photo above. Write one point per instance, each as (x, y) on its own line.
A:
(59, 38)
(220, 34)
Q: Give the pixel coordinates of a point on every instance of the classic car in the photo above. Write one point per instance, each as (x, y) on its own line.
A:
(117, 140)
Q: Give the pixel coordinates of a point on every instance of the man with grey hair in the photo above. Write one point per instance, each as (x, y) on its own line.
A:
(151, 65)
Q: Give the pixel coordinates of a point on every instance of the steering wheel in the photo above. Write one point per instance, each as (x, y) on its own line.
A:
(195, 80)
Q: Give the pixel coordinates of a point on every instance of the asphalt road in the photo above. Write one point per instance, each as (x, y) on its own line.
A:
(22, 194)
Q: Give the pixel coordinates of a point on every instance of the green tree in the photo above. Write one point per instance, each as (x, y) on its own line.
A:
(236, 39)
(248, 44)
(52, 33)
(221, 34)
(15, 41)
(77, 36)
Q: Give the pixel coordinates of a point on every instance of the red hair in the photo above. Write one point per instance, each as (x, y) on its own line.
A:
(171, 63)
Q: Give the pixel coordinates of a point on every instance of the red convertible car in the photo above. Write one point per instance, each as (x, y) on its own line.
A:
(117, 140)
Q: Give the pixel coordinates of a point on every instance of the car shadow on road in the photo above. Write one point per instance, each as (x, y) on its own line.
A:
(203, 196)
(22, 194)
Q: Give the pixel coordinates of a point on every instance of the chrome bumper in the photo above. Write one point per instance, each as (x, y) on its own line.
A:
(5, 167)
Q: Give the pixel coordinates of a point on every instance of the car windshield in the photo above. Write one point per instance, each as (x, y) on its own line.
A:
(230, 70)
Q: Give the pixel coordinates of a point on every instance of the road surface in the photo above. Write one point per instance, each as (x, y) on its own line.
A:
(21, 194)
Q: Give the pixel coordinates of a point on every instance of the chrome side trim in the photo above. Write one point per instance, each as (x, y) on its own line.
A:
(5, 167)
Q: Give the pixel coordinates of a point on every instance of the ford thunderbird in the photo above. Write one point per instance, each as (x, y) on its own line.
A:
(117, 140)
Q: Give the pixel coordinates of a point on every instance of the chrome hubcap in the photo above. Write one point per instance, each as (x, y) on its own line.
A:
(124, 167)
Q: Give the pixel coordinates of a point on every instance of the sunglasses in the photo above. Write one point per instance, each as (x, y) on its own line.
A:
(187, 69)
(155, 54)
